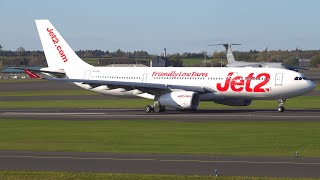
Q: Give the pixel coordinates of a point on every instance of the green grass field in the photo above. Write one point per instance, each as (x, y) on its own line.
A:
(192, 61)
(33, 175)
(309, 102)
(151, 136)
(189, 62)
(48, 93)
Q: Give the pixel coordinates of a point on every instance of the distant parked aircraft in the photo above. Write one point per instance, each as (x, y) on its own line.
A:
(233, 63)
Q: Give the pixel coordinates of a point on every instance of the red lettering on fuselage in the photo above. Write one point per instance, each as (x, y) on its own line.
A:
(226, 85)
(258, 87)
(238, 84)
(249, 78)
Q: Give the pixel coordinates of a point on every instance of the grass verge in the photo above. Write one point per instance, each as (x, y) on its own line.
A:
(166, 137)
(48, 93)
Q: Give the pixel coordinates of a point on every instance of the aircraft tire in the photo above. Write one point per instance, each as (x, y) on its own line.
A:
(157, 109)
(281, 109)
(148, 109)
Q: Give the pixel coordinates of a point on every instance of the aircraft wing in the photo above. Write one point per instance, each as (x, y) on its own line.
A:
(151, 88)
(144, 87)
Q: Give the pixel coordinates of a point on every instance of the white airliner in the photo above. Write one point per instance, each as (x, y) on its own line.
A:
(172, 87)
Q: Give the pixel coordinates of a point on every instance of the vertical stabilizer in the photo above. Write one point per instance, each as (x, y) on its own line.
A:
(58, 53)
(230, 56)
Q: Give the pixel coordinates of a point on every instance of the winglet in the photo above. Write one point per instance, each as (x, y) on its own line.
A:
(31, 74)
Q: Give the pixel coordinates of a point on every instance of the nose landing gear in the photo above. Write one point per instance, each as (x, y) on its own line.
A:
(281, 105)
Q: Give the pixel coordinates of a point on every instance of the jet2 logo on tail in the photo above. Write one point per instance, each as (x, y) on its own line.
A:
(55, 41)
(238, 84)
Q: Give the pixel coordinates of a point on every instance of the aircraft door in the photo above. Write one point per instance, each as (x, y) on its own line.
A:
(279, 79)
(87, 74)
(144, 78)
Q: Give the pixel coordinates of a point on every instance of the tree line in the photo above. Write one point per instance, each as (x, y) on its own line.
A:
(251, 56)
(82, 53)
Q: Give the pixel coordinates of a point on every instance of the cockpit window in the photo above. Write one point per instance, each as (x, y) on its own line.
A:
(301, 78)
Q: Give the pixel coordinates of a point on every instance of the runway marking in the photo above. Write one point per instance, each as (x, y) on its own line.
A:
(163, 160)
(48, 114)
(79, 158)
(160, 115)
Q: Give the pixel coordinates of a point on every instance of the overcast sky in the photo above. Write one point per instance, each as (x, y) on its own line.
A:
(178, 25)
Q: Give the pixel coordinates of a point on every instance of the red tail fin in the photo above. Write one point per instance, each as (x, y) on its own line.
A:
(31, 74)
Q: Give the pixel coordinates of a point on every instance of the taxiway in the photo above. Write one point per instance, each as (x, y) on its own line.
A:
(161, 164)
(134, 114)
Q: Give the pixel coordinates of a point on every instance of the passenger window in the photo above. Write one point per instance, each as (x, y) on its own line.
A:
(300, 78)
(296, 78)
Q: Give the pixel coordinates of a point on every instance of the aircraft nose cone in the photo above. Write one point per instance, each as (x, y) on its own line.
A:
(311, 85)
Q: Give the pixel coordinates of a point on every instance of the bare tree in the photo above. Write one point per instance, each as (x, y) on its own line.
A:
(21, 51)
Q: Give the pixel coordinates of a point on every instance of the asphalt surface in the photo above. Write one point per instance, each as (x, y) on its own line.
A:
(161, 164)
(134, 114)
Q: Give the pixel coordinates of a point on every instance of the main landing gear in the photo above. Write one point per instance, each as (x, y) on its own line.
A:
(156, 107)
(281, 105)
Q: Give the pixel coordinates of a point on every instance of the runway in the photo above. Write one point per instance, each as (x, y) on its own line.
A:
(150, 163)
(160, 164)
(134, 114)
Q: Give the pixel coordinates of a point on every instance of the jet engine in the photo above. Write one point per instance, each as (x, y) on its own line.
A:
(180, 100)
(234, 102)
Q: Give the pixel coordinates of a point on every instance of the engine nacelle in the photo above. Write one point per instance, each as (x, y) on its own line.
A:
(180, 100)
(234, 102)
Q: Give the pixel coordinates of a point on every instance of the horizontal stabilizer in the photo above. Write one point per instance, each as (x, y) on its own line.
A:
(31, 74)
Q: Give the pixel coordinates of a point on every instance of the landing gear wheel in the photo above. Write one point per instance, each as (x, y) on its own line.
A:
(148, 109)
(156, 109)
(281, 105)
(281, 109)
